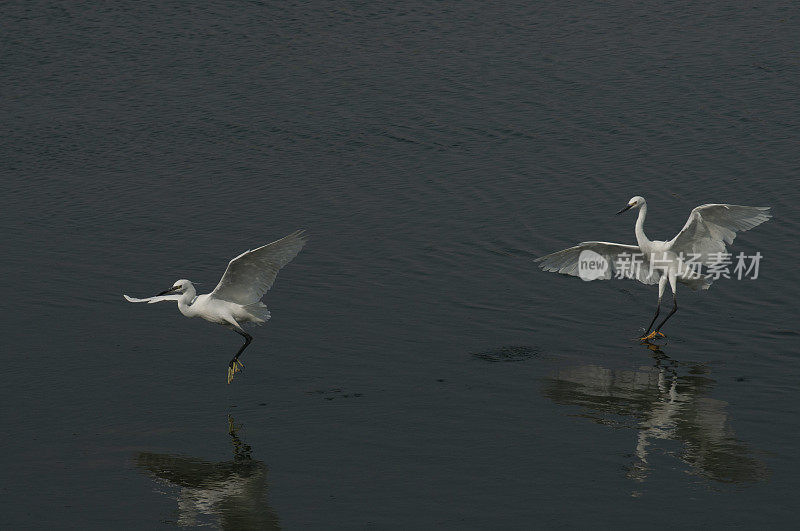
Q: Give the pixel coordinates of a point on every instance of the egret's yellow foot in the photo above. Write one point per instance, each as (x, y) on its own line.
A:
(235, 367)
(652, 335)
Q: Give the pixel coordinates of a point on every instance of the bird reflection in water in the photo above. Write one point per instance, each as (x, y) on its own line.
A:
(666, 402)
(228, 494)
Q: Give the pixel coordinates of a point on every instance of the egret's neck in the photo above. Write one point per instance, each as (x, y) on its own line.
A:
(185, 302)
(641, 239)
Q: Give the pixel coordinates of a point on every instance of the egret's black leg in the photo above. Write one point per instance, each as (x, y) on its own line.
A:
(674, 309)
(658, 309)
(247, 340)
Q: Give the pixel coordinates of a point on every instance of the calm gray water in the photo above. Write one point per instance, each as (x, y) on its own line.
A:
(419, 371)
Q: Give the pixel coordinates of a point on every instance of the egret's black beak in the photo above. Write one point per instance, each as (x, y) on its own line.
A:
(167, 292)
(624, 209)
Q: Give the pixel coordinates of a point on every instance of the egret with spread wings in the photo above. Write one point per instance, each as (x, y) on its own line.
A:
(237, 298)
(681, 259)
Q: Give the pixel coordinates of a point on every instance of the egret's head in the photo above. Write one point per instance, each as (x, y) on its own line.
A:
(636, 202)
(180, 286)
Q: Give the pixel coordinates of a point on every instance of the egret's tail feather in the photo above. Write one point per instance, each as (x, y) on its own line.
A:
(701, 282)
(259, 311)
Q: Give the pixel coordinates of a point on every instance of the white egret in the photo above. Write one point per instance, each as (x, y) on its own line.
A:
(699, 243)
(237, 298)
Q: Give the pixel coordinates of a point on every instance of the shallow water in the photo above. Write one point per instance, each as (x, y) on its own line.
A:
(419, 370)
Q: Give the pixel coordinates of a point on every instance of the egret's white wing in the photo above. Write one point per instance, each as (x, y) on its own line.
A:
(626, 261)
(709, 227)
(151, 300)
(250, 275)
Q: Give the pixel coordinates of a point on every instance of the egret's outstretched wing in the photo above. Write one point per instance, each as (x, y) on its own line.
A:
(624, 261)
(151, 300)
(250, 275)
(710, 227)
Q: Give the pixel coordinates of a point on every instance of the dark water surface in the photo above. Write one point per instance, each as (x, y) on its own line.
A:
(419, 371)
